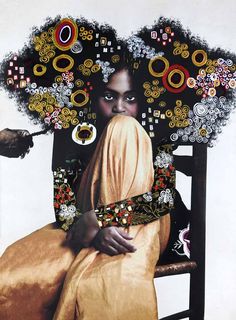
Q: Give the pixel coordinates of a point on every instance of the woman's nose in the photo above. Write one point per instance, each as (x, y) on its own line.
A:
(119, 106)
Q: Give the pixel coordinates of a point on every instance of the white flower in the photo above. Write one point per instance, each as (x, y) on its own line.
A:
(166, 197)
(71, 208)
(147, 196)
(63, 207)
(163, 160)
(67, 212)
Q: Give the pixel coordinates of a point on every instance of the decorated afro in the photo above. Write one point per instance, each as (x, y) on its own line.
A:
(186, 90)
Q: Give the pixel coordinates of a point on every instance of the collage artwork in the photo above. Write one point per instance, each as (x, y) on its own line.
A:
(186, 93)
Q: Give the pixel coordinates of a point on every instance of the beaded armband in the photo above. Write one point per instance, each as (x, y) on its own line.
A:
(149, 206)
(140, 209)
(64, 198)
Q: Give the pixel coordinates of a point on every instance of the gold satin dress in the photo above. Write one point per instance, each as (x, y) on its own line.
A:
(42, 278)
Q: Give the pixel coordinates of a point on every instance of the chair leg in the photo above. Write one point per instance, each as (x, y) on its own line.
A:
(197, 234)
(197, 295)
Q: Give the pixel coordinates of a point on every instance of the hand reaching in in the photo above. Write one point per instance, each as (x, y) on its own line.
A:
(15, 143)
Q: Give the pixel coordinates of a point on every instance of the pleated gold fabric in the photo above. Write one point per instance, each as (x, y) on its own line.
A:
(120, 287)
(32, 271)
(97, 286)
(121, 166)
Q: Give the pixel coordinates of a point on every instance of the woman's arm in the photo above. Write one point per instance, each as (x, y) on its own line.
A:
(83, 228)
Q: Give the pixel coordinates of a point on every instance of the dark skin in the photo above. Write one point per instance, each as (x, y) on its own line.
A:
(118, 98)
(86, 232)
(15, 143)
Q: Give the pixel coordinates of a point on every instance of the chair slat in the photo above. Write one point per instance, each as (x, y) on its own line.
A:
(184, 164)
(179, 315)
(175, 268)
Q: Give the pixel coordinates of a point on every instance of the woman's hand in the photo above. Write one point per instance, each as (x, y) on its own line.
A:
(113, 241)
(15, 143)
(83, 231)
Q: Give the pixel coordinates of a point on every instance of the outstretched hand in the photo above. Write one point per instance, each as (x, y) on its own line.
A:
(113, 241)
(15, 143)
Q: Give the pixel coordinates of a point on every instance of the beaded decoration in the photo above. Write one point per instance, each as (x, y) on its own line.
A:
(132, 211)
(186, 92)
(195, 85)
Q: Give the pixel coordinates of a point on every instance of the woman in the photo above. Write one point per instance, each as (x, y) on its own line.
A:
(174, 76)
(121, 167)
(115, 172)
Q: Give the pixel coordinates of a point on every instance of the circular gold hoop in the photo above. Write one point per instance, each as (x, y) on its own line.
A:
(158, 74)
(171, 74)
(204, 58)
(75, 94)
(60, 57)
(37, 72)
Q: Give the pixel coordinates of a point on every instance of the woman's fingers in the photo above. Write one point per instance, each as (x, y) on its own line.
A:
(124, 234)
(108, 248)
(108, 238)
(111, 251)
(118, 246)
(124, 243)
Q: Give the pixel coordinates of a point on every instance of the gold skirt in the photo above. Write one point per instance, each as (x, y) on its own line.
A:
(42, 278)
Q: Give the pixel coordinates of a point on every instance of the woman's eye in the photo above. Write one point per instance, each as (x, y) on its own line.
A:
(130, 98)
(108, 97)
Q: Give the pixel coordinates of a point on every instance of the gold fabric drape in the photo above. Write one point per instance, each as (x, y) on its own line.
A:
(32, 271)
(97, 286)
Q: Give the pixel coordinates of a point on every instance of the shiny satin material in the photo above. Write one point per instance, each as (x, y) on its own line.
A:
(32, 271)
(97, 286)
(120, 287)
(121, 166)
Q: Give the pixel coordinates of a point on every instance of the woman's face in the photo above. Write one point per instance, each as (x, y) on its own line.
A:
(118, 97)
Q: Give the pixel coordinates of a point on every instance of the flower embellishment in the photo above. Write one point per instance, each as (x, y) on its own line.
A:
(182, 245)
(67, 212)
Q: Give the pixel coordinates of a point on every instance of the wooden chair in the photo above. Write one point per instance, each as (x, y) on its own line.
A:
(194, 166)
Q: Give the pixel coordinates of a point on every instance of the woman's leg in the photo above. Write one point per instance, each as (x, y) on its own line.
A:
(32, 273)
